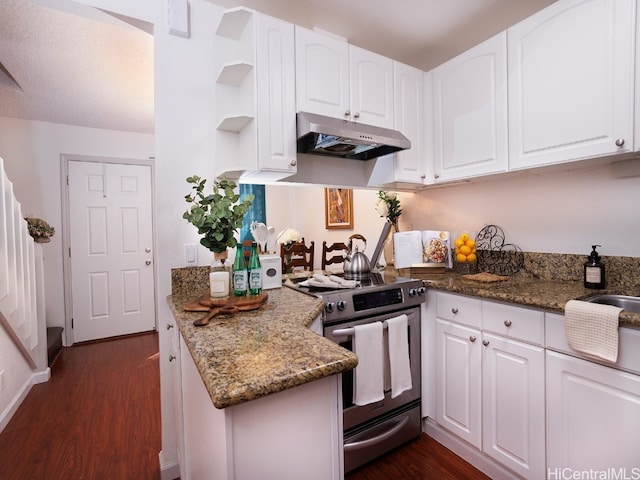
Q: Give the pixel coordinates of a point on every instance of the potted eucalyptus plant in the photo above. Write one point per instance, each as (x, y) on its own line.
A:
(217, 215)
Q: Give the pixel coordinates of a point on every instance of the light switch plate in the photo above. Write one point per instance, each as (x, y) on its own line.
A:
(178, 18)
(190, 255)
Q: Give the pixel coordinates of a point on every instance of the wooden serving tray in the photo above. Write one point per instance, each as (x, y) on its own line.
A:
(225, 306)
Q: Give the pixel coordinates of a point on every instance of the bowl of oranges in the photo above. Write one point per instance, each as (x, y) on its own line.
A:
(464, 252)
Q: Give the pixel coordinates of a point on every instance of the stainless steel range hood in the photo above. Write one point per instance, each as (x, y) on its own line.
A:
(335, 137)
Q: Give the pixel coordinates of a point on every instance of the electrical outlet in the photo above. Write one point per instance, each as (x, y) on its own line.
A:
(190, 255)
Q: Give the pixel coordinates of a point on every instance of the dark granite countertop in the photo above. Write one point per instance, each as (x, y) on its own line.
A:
(252, 354)
(550, 295)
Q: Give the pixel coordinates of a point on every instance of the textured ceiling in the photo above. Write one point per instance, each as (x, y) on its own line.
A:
(80, 66)
(63, 68)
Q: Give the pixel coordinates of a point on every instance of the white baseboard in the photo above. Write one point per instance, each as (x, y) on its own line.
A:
(169, 470)
(15, 403)
(42, 376)
(465, 451)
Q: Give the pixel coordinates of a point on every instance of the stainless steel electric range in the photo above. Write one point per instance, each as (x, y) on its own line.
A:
(374, 429)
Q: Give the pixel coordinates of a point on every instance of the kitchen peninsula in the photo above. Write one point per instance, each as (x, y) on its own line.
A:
(259, 389)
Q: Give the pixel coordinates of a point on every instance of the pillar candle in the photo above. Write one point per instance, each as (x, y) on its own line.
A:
(219, 284)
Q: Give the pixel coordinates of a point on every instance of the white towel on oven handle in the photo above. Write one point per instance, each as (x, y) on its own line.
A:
(368, 375)
(399, 363)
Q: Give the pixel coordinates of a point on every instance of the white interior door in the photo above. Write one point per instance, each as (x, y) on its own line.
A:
(110, 220)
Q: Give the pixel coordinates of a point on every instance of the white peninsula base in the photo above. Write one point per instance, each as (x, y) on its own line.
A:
(293, 434)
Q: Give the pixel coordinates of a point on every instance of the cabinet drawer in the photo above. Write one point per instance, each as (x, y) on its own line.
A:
(459, 309)
(514, 322)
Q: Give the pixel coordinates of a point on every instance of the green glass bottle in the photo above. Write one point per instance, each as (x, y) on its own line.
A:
(255, 271)
(240, 274)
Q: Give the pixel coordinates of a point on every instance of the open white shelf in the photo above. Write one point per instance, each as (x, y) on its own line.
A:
(233, 22)
(233, 73)
(234, 124)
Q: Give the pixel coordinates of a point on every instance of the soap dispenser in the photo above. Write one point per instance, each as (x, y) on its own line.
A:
(594, 270)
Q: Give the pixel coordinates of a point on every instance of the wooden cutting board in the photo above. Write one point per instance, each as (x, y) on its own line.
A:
(228, 306)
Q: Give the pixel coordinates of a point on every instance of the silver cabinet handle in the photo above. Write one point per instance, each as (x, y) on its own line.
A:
(485, 342)
(172, 357)
(454, 310)
(619, 142)
(347, 113)
(356, 115)
(147, 250)
(169, 326)
(293, 163)
(507, 323)
(472, 338)
(147, 261)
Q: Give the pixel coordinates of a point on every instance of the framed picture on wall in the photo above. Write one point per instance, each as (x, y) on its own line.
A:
(338, 207)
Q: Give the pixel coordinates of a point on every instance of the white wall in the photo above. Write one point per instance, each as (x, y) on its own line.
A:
(31, 152)
(561, 212)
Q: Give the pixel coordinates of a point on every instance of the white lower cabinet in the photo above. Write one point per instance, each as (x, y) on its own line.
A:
(593, 410)
(513, 430)
(490, 380)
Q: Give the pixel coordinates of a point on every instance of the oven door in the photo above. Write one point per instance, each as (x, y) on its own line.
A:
(355, 415)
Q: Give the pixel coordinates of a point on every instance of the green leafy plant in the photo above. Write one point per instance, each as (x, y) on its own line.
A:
(40, 230)
(388, 206)
(217, 215)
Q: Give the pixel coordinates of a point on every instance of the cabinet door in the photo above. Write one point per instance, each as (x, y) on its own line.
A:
(408, 83)
(571, 82)
(322, 73)
(276, 104)
(371, 91)
(470, 112)
(513, 414)
(458, 380)
(593, 415)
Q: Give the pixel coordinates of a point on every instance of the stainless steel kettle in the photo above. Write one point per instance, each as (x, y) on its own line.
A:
(356, 263)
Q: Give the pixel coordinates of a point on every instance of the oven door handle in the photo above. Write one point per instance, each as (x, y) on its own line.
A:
(348, 447)
(347, 332)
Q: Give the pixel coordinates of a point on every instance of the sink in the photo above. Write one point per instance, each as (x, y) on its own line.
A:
(631, 304)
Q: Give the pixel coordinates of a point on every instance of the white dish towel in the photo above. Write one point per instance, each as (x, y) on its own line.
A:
(399, 364)
(592, 329)
(369, 373)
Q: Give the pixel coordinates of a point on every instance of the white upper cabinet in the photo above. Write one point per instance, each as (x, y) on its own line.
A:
(339, 80)
(409, 165)
(571, 82)
(470, 113)
(406, 168)
(371, 87)
(322, 73)
(255, 106)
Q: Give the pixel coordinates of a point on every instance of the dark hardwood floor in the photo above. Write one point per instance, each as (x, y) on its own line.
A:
(98, 418)
(422, 459)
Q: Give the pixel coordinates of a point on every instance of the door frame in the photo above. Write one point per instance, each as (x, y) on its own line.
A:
(65, 158)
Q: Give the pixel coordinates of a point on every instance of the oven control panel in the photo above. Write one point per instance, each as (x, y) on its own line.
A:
(347, 304)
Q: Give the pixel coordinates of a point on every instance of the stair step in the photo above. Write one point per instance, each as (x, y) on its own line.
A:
(54, 342)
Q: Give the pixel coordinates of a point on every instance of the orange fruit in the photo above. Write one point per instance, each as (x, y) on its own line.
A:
(471, 258)
(461, 258)
(465, 250)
